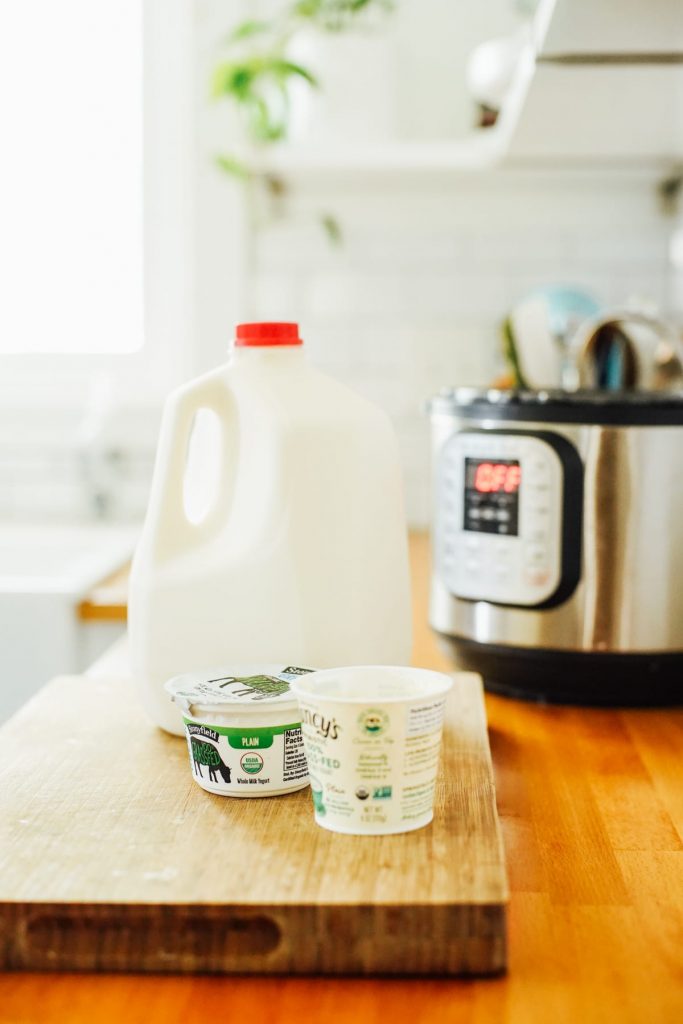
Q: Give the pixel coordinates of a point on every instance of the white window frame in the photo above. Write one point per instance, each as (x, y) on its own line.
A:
(169, 188)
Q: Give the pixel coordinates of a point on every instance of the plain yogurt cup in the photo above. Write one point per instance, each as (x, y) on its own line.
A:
(372, 736)
(243, 729)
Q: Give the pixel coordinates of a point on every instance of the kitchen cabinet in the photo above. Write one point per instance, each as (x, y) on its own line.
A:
(600, 112)
(602, 81)
(608, 29)
(592, 815)
(46, 571)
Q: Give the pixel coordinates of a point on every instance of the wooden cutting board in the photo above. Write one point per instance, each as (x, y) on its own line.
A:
(112, 858)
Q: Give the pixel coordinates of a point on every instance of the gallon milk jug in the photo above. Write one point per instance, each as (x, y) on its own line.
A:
(301, 558)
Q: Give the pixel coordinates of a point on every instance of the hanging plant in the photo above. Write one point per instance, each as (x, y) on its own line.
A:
(256, 78)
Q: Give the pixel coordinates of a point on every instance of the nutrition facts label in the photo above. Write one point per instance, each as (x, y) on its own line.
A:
(294, 760)
(425, 718)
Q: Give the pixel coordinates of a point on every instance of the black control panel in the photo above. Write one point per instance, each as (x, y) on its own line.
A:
(491, 502)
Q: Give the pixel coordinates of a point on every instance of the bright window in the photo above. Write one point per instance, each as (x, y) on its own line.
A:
(71, 215)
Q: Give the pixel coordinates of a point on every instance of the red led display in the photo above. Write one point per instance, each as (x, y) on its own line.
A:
(497, 477)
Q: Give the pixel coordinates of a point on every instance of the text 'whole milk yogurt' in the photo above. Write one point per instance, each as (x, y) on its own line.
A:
(243, 729)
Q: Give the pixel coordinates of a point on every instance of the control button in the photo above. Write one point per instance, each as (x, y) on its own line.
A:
(537, 577)
(472, 567)
(474, 513)
(538, 536)
(472, 544)
(536, 555)
(488, 514)
(502, 573)
(502, 515)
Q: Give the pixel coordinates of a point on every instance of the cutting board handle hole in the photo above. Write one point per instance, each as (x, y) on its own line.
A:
(249, 935)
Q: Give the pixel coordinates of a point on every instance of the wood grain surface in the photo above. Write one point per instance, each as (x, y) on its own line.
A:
(107, 602)
(116, 859)
(591, 806)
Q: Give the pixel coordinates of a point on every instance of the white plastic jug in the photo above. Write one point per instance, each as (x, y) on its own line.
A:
(301, 558)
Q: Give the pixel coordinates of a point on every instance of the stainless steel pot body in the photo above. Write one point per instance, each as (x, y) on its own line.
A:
(611, 507)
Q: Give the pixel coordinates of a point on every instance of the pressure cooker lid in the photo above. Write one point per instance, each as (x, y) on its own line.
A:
(609, 408)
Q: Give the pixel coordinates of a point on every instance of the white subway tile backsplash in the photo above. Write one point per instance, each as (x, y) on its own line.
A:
(367, 349)
(598, 284)
(454, 297)
(504, 249)
(276, 296)
(646, 290)
(50, 471)
(348, 296)
(424, 248)
(414, 297)
(411, 301)
(639, 246)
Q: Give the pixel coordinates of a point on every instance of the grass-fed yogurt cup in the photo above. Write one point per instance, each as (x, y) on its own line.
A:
(243, 729)
(372, 736)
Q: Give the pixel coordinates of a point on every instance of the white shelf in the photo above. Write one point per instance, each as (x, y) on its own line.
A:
(602, 86)
(479, 151)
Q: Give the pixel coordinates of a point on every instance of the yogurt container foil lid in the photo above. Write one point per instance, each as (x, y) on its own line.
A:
(244, 685)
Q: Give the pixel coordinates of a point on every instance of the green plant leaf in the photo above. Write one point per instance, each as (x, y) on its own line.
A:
(337, 15)
(307, 8)
(233, 166)
(332, 228)
(233, 79)
(510, 353)
(248, 29)
(287, 69)
(263, 124)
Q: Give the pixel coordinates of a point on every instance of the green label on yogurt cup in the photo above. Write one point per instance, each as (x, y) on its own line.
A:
(256, 687)
(228, 759)
(245, 738)
(317, 794)
(251, 763)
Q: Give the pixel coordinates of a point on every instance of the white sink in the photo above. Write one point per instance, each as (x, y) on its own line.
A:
(45, 572)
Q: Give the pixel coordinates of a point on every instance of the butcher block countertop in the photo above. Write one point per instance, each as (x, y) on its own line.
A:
(591, 806)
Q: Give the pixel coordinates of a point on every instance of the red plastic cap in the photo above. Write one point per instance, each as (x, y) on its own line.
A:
(267, 334)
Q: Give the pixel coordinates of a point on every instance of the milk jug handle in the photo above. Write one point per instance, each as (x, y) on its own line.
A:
(167, 517)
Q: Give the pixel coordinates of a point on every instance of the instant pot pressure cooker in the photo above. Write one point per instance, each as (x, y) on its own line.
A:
(558, 542)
